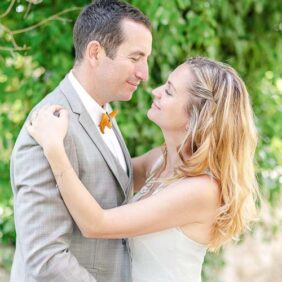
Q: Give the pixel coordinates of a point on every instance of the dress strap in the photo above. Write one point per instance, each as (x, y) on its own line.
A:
(155, 166)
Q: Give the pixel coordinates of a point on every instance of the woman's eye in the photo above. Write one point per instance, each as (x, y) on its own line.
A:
(134, 59)
(167, 92)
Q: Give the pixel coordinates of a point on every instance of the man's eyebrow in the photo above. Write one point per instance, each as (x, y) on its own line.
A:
(137, 53)
(171, 84)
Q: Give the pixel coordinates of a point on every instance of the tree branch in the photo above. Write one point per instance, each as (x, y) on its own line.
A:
(9, 49)
(52, 18)
(8, 9)
(10, 33)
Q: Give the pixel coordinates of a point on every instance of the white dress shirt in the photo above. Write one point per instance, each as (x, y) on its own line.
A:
(95, 111)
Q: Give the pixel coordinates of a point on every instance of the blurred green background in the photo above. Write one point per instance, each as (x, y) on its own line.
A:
(36, 52)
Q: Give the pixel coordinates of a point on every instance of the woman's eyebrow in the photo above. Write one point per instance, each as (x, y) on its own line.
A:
(171, 85)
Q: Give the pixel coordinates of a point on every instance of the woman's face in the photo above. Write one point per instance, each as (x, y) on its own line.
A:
(169, 107)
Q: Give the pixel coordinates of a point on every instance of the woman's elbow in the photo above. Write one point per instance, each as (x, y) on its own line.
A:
(94, 228)
(91, 233)
(86, 234)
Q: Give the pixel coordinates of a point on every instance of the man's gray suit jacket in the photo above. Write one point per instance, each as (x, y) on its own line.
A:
(49, 246)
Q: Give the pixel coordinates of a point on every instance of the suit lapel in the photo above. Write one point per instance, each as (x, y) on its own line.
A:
(92, 131)
(126, 154)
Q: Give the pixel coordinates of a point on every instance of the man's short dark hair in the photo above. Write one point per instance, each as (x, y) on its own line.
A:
(101, 21)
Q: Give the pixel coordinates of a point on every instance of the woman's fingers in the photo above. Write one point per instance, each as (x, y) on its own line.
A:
(43, 109)
(63, 113)
(33, 116)
(29, 128)
(54, 110)
(49, 120)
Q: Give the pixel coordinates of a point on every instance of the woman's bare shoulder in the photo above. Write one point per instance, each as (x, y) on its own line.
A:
(203, 189)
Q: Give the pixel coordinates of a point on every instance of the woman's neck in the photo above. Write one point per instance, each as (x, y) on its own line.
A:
(173, 159)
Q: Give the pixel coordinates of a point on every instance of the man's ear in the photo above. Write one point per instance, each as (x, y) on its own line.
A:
(94, 52)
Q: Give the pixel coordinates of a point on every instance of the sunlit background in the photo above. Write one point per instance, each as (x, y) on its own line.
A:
(36, 52)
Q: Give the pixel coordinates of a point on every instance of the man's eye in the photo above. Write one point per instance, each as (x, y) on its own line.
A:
(167, 92)
(134, 59)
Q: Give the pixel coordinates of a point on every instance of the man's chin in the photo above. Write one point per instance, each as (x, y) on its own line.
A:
(127, 97)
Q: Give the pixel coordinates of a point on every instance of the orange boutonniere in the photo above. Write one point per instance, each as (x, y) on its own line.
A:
(106, 120)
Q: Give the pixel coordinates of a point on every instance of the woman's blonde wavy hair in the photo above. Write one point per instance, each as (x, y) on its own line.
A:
(222, 138)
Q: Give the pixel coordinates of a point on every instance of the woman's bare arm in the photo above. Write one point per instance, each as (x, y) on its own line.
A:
(188, 201)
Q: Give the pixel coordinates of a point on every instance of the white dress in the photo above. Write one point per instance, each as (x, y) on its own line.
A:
(165, 256)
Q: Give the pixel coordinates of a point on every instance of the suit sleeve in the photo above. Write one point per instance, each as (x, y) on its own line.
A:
(44, 225)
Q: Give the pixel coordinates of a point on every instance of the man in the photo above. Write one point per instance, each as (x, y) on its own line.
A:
(112, 43)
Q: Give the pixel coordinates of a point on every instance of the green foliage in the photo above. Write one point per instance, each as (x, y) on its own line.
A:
(36, 52)
(213, 264)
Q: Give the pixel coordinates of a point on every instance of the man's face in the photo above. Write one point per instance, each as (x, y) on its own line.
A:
(118, 78)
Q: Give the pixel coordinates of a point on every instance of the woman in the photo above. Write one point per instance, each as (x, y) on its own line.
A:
(195, 193)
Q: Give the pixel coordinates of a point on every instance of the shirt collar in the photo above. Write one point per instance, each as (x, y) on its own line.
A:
(92, 107)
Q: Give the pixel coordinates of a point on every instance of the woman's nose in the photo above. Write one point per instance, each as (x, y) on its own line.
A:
(157, 92)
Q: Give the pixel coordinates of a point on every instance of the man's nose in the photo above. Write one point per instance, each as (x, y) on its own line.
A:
(142, 71)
